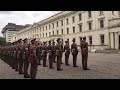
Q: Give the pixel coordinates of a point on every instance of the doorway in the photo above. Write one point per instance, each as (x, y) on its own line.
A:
(119, 41)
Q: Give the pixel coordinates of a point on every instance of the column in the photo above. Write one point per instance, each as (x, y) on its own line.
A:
(109, 43)
(111, 39)
(116, 41)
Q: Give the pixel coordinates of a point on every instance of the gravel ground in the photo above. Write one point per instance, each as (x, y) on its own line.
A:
(102, 66)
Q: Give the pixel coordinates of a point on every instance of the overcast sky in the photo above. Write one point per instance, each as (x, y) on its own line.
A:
(23, 17)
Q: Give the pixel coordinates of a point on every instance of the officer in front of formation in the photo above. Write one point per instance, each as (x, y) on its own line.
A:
(74, 51)
(59, 52)
(50, 51)
(44, 54)
(84, 52)
(67, 52)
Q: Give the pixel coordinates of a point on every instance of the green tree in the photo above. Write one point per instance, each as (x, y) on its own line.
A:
(2, 41)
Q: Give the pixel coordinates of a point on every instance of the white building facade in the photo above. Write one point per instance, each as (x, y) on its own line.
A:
(101, 28)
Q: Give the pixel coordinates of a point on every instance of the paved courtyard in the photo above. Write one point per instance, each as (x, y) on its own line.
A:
(102, 66)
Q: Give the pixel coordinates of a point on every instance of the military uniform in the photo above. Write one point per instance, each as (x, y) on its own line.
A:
(17, 56)
(84, 52)
(20, 59)
(59, 54)
(74, 51)
(25, 56)
(54, 52)
(33, 60)
(50, 51)
(39, 52)
(44, 54)
(67, 52)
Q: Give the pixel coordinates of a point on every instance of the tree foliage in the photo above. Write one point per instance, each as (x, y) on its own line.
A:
(2, 41)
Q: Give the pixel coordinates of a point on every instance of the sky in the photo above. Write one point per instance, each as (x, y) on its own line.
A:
(23, 17)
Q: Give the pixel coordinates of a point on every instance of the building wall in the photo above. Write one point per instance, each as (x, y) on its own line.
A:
(38, 29)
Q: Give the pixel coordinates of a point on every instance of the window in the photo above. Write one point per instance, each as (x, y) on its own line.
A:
(118, 13)
(57, 24)
(43, 28)
(73, 29)
(61, 22)
(53, 25)
(53, 32)
(101, 12)
(57, 32)
(35, 30)
(89, 14)
(62, 31)
(80, 27)
(49, 26)
(49, 33)
(90, 25)
(40, 29)
(101, 23)
(67, 30)
(43, 35)
(46, 34)
(102, 39)
(80, 16)
(67, 21)
(90, 40)
(68, 40)
(80, 39)
(112, 12)
(73, 19)
(46, 27)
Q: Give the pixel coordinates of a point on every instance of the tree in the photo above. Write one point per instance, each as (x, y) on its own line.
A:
(2, 41)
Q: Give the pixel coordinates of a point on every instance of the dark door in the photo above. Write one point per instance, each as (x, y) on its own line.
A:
(119, 41)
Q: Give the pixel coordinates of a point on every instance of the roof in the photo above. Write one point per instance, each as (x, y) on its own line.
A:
(14, 27)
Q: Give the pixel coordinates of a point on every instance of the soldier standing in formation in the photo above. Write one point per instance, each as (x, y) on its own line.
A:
(20, 58)
(74, 51)
(54, 52)
(67, 52)
(33, 59)
(17, 57)
(84, 52)
(50, 50)
(62, 51)
(44, 54)
(59, 54)
(39, 52)
(25, 57)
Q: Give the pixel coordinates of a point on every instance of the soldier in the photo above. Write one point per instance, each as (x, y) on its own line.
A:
(20, 63)
(74, 51)
(84, 52)
(25, 57)
(62, 50)
(44, 54)
(59, 54)
(54, 52)
(33, 59)
(67, 52)
(14, 55)
(17, 56)
(39, 52)
(50, 50)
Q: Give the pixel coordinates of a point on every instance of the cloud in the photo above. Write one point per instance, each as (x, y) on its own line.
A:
(23, 17)
(5, 12)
